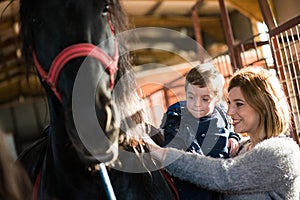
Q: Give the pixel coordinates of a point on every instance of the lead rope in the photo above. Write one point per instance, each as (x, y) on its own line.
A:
(106, 182)
(102, 168)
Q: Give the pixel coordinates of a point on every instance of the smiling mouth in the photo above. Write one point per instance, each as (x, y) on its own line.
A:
(234, 122)
(198, 111)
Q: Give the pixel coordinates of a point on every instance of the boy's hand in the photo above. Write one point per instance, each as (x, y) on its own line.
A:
(233, 145)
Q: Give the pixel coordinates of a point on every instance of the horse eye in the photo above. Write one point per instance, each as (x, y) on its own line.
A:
(107, 9)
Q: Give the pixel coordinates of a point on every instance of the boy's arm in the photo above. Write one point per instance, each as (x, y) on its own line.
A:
(233, 143)
(235, 136)
(168, 128)
(171, 122)
(232, 134)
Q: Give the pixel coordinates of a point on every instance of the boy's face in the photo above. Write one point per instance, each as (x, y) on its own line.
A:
(199, 100)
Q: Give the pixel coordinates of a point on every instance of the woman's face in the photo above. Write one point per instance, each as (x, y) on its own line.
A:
(244, 118)
(199, 101)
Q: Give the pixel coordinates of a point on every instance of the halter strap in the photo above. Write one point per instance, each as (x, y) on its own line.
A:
(74, 51)
(110, 64)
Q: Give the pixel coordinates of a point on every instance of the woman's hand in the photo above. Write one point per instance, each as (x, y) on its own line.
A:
(156, 151)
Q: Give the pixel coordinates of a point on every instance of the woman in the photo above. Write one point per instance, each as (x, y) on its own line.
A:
(268, 166)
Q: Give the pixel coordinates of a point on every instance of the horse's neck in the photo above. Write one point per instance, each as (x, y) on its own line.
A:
(56, 111)
(58, 136)
(60, 155)
(57, 118)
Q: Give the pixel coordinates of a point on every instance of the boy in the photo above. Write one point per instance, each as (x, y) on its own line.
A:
(200, 124)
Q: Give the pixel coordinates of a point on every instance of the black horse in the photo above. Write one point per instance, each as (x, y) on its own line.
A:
(59, 38)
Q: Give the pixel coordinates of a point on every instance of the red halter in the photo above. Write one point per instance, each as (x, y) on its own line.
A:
(110, 64)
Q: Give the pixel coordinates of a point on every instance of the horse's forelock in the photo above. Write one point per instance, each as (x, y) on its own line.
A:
(25, 33)
(120, 17)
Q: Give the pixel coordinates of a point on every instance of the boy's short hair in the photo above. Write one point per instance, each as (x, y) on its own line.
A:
(206, 75)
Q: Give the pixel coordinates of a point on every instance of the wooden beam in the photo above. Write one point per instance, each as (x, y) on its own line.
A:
(5, 58)
(6, 23)
(249, 8)
(159, 21)
(20, 86)
(153, 9)
(124, 1)
(210, 25)
(156, 56)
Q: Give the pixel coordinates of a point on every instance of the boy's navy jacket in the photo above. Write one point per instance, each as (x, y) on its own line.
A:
(207, 135)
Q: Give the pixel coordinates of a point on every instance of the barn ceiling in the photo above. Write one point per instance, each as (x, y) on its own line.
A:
(173, 14)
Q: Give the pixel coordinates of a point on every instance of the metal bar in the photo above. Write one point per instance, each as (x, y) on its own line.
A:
(271, 23)
(287, 25)
(165, 91)
(289, 66)
(295, 80)
(235, 59)
(289, 84)
(197, 29)
(267, 14)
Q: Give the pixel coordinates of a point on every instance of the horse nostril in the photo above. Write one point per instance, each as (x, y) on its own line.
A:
(36, 21)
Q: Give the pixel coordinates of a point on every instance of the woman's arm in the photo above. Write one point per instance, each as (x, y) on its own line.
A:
(269, 163)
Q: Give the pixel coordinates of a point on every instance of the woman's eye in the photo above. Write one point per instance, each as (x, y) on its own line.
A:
(239, 104)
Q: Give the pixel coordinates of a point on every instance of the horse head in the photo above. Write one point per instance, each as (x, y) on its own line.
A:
(71, 44)
(59, 37)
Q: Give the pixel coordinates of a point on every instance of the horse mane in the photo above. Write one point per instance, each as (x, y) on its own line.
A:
(134, 115)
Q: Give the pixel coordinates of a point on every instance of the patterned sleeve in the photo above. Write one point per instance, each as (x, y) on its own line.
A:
(170, 123)
(255, 171)
(235, 136)
(228, 126)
